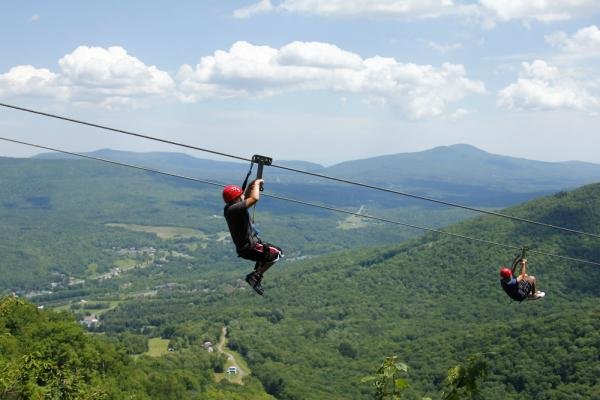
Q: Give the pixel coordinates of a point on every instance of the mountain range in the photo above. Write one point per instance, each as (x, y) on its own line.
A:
(460, 173)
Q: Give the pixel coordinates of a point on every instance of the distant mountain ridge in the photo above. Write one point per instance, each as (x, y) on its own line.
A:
(460, 173)
(468, 164)
(175, 159)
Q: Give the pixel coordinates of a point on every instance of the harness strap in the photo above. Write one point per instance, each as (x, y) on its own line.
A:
(516, 262)
(247, 176)
(519, 257)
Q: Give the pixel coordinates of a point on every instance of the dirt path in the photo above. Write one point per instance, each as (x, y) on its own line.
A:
(232, 361)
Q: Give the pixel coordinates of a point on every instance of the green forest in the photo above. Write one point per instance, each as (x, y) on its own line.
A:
(47, 355)
(432, 302)
(48, 206)
(350, 306)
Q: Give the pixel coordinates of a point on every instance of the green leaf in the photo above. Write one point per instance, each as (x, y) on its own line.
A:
(400, 384)
(368, 379)
(401, 366)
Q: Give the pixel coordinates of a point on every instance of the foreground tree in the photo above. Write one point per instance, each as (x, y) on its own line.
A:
(388, 381)
(461, 382)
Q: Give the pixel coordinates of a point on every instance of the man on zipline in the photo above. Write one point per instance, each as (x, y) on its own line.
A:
(521, 287)
(247, 243)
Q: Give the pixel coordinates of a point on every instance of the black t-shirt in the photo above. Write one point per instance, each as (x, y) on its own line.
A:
(513, 289)
(240, 228)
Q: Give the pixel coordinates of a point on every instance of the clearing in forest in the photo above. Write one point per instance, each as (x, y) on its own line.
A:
(157, 347)
(164, 232)
(353, 221)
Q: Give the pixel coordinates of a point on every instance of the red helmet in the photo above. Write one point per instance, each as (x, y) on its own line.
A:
(231, 192)
(505, 273)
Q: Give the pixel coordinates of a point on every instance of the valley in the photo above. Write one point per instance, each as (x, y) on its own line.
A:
(156, 273)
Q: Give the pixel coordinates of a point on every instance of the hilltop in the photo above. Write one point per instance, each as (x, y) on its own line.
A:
(462, 163)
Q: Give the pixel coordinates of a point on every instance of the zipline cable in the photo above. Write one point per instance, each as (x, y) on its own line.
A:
(332, 178)
(108, 128)
(282, 198)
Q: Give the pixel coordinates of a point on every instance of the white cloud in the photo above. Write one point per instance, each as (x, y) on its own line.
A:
(586, 41)
(109, 77)
(254, 9)
(112, 72)
(540, 10)
(459, 114)
(444, 48)
(317, 54)
(487, 12)
(544, 87)
(34, 18)
(372, 8)
(26, 80)
(247, 70)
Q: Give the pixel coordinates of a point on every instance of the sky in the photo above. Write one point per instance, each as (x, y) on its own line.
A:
(317, 80)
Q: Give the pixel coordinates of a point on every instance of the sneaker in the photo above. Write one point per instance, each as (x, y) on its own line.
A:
(258, 288)
(253, 280)
(537, 295)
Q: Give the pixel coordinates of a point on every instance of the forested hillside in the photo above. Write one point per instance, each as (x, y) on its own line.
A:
(407, 152)
(149, 257)
(67, 222)
(46, 355)
(64, 221)
(325, 323)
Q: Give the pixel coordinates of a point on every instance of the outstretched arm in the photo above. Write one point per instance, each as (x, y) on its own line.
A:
(516, 262)
(523, 267)
(252, 194)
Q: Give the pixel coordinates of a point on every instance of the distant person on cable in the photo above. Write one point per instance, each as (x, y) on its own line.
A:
(521, 287)
(247, 243)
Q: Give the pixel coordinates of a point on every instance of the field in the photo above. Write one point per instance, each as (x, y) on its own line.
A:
(164, 232)
(353, 221)
(157, 347)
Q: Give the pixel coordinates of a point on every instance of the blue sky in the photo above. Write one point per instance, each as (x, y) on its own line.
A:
(318, 80)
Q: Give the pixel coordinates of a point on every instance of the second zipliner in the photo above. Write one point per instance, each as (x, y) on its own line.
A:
(523, 286)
